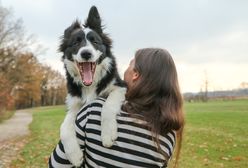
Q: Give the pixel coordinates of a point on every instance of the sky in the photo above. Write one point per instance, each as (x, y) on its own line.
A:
(208, 39)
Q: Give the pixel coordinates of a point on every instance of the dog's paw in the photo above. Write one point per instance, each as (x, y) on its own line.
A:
(109, 132)
(75, 156)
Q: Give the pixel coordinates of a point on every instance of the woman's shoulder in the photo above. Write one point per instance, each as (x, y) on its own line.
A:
(92, 106)
(169, 139)
(98, 102)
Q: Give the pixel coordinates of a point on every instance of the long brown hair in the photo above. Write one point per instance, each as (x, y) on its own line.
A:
(156, 95)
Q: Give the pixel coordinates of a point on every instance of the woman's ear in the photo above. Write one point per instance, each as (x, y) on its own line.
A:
(136, 76)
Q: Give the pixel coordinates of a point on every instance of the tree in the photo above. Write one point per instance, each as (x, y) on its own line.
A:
(53, 87)
(12, 33)
(13, 39)
(10, 41)
(6, 101)
(203, 95)
(243, 85)
(27, 77)
(25, 82)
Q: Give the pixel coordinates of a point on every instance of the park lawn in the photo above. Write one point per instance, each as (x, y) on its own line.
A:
(44, 136)
(215, 135)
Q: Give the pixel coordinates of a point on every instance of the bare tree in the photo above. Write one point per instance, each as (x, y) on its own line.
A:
(243, 85)
(13, 39)
(203, 94)
(11, 30)
(53, 87)
(206, 83)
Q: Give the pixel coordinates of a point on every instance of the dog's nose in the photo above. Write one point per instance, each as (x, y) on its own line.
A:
(86, 55)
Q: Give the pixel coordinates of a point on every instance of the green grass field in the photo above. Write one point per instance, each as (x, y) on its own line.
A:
(215, 135)
(44, 136)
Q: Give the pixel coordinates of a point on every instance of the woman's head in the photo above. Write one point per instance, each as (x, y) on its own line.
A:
(151, 73)
(152, 80)
(153, 90)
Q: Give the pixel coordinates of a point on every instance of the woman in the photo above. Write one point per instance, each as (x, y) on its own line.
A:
(148, 124)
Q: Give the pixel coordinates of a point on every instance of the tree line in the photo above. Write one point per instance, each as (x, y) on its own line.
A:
(24, 81)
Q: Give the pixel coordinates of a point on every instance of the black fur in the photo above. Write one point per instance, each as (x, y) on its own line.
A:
(73, 88)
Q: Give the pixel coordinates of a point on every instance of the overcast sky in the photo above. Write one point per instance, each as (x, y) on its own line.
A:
(206, 38)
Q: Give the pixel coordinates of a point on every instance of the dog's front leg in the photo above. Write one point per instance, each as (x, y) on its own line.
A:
(68, 134)
(110, 109)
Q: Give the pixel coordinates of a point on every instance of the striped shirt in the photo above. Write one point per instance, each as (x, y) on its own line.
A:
(134, 147)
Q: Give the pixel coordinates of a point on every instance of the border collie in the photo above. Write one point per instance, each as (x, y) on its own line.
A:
(91, 72)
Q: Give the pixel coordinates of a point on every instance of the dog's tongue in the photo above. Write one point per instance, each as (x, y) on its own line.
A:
(87, 73)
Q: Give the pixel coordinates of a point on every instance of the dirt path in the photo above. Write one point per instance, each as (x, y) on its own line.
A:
(12, 133)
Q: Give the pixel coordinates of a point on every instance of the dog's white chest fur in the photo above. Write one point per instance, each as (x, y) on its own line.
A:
(89, 94)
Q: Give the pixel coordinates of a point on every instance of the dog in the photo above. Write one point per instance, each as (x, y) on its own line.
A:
(91, 71)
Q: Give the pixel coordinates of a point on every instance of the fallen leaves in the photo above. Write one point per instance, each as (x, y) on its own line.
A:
(224, 158)
(9, 150)
(238, 158)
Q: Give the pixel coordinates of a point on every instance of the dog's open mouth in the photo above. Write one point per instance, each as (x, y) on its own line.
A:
(87, 71)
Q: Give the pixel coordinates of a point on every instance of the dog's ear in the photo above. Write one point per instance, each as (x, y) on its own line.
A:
(67, 33)
(69, 30)
(94, 21)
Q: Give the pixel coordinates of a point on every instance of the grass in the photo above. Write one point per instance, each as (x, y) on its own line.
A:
(44, 136)
(215, 135)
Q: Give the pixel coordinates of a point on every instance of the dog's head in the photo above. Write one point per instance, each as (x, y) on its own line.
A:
(84, 48)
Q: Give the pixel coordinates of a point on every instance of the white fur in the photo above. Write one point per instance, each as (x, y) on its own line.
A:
(102, 69)
(87, 30)
(108, 118)
(67, 131)
(73, 71)
(89, 94)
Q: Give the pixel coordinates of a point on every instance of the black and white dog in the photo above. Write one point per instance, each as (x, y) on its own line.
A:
(90, 71)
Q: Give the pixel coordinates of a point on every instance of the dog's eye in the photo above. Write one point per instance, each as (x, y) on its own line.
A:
(77, 41)
(95, 42)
